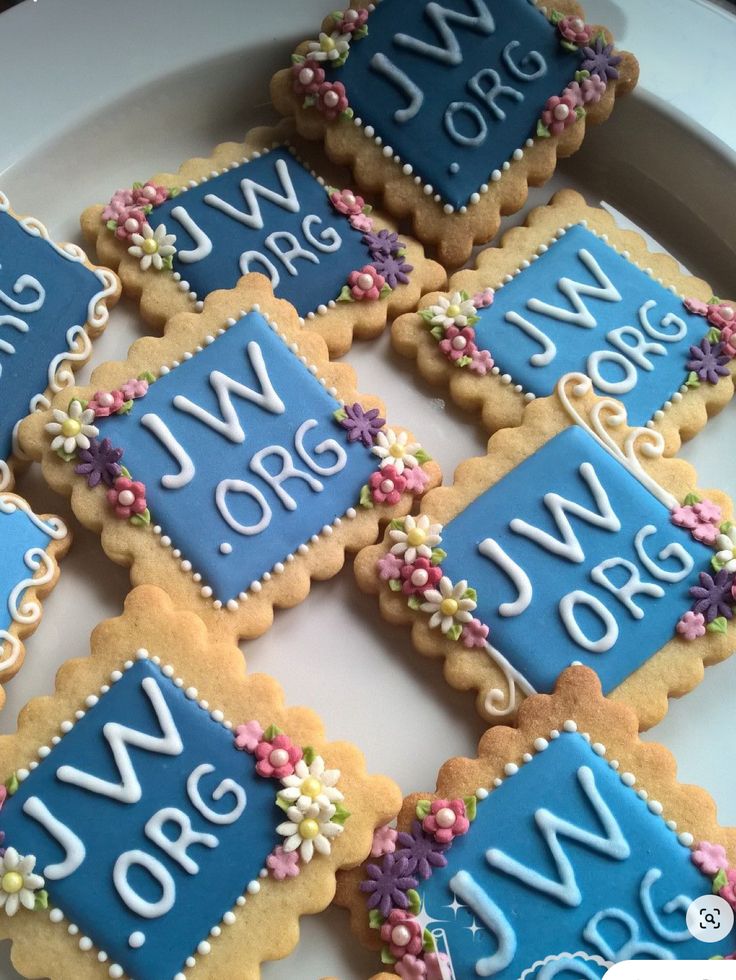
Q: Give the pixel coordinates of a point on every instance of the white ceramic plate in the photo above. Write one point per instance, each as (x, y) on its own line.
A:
(71, 137)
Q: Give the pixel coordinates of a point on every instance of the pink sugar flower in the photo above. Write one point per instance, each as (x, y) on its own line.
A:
(248, 736)
(416, 479)
(135, 388)
(559, 114)
(306, 77)
(722, 315)
(420, 576)
(474, 634)
(150, 194)
(403, 933)
(574, 92)
(387, 486)
(346, 202)
(411, 968)
(696, 306)
(119, 202)
(710, 858)
(691, 625)
(366, 283)
(483, 299)
(705, 533)
(389, 567)
(283, 864)
(481, 362)
(277, 758)
(575, 30)
(331, 99)
(446, 820)
(728, 339)
(127, 498)
(361, 222)
(352, 20)
(684, 516)
(106, 403)
(384, 841)
(130, 222)
(593, 89)
(458, 342)
(708, 512)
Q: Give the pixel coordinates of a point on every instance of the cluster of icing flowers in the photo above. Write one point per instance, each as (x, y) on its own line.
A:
(714, 597)
(331, 50)
(451, 321)
(709, 361)
(391, 885)
(309, 796)
(413, 567)
(712, 861)
(20, 885)
(400, 461)
(127, 216)
(74, 437)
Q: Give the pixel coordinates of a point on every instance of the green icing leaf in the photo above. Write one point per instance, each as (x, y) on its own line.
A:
(282, 804)
(309, 754)
(375, 919)
(298, 59)
(542, 131)
(168, 263)
(309, 101)
(367, 208)
(415, 902)
(438, 332)
(146, 376)
(423, 808)
(428, 943)
(422, 456)
(426, 315)
(692, 498)
(341, 815)
(720, 881)
(365, 497)
(463, 362)
(692, 380)
(569, 46)
(345, 295)
(414, 603)
(339, 415)
(438, 556)
(580, 76)
(580, 112)
(718, 625)
(360, 33)
(140, 520)
(347, 113)
(471, 807)
(726, 527)
(67, 457)
(714, 335)
(386, 957)
(337, 15)
(397, 524)
(41, 900)
(137, 184)
(12, 783)
(470, 594)
(174, 191)
(111, 225)
(601, 36)
(454, 632)
(394, 584)
(385, 291)
(555, 17)
(714, 301)
(717, 563)
(271, 732)
(125, 408)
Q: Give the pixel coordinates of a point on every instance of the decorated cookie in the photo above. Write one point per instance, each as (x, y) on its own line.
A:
(564, 847)
(451, 110)
(273, 205)
(30, 548)
(571, 541)
(230, 462)
(53, 303)
(164, 813)
(573, 292)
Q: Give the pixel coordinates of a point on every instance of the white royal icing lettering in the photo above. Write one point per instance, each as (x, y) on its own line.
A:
(254, 256)
(466, 888)
(672, 550)
(287, 472)
(187, 472)
(539, 65)
(224, 387)
(327, 240)
(74, 849)
(632, 948)
(326, 446)
(680, 903)
(490, 548)
(474, 112)
(440, 18)
(202, 241)
(631, 587)
(119, 737)
(224, 487)
(497, 89)
(415, 97)
(625, 384)
(572, 290)
(638, 351)
(223, 787)
(137, 904)
(567, 614)
(566, 891)
(549, 349)
(177, 847)
(570, 548)
(294, 250)
(20, 285)
(253, 218)
(666, 321)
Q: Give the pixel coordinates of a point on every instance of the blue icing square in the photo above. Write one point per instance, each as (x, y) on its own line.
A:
(294, 213)
(454, 123)
(192, 515)
(625, 874)
(624, 297)
(19, 537)
(191, 901)
(536, 641)
(42, 295)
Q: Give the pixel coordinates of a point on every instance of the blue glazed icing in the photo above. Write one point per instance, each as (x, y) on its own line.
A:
(513, 347)
(555, 467)
(18, 535)
(309, 284)
(189, 515)
(424, 140)
(69, 286)
(108, 828)
(606, 876)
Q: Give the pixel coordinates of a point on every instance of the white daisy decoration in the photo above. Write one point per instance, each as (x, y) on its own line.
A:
(330, 47)
(417, 539)
(18, 883)
(308, 830)
(726, 544)
(448, 605)
(72, 430)
(153, 248)
(311, 784)
(395, 450)
(452, 311)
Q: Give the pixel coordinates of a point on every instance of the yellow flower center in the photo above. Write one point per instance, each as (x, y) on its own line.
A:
(327, 43)
(12, 882)
(308, 829)
(311, 787)
(453, 310)
(448, 607)
(149, 246)
(397, 450)
(415, 537)
(70, 428)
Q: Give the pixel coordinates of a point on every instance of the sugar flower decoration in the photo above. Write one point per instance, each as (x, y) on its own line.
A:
(417, 538)
(283, 864)
(449, 605)
(153, 247)
(100, 463)
(362, 425)
(452, 311)
(18, 883)
(329, 47)
(308, 830)
(72, 430)
(726, 554)
(395, 450)
(127, 498)
(277, 757)
(600, 60)
(310, 784)
(248, 736)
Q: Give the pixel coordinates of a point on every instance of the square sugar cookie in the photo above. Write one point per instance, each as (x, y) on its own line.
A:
(271, 204)
(572, 540)
(452, 110)
(566, 846)
(230, 462)
(571, 291)
(53, 303)
(156, 811)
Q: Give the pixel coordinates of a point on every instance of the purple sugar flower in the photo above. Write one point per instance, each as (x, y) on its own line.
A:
(600, 60)
(421, 851)
(393, 269)
(99, 463)
(360, 425)
(709, 361)
(388, 883)
(713, 596)
(383, 243)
